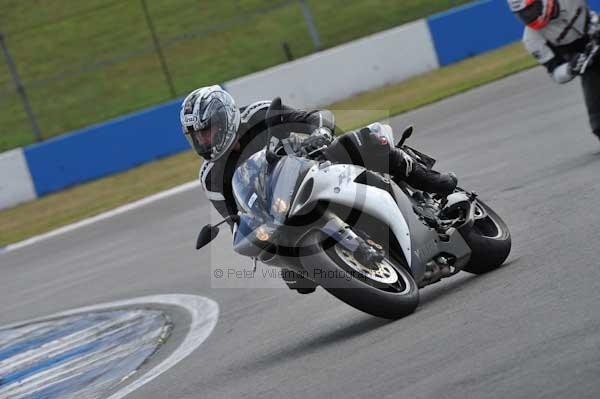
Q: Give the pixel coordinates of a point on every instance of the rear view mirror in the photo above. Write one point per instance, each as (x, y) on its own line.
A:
(405, 135)
(274, 118)
(206, 235)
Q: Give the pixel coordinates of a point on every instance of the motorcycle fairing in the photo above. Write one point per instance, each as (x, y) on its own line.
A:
(335, 184)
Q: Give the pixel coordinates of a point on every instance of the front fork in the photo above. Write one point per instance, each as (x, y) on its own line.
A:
(366, 251)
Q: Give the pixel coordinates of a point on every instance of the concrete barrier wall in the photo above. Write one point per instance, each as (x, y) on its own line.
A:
(15, 181)
(343, 71)
(319, 79)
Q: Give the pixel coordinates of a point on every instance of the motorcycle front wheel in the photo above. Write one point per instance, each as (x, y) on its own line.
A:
(386, 290)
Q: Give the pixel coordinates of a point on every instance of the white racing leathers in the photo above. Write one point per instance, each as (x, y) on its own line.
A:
(563, 39)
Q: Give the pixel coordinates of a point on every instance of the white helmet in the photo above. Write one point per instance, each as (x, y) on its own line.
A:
(534, 13)
(210, 121)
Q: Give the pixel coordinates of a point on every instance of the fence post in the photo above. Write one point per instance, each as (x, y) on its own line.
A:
(310, 23)
(161, 57)
(20, 89)
(288, 51)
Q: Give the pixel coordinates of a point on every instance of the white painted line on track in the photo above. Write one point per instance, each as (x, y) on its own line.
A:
(204, 313)
(103, 216)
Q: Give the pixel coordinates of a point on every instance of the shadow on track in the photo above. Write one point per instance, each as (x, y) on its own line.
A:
(311, 345)
(353, 329)
(433, 294)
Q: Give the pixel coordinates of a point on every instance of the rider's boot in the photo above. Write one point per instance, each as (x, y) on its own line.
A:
(431, 181)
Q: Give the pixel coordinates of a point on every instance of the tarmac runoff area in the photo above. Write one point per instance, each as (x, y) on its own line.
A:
(527, 330)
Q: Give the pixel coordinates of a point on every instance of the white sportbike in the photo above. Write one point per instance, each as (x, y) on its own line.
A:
(368, 241)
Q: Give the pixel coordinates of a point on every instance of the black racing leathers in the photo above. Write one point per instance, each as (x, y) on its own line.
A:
(362, 147)
(372, 150)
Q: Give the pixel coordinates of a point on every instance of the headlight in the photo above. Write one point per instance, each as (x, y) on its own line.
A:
(280, 206)
(262, 233)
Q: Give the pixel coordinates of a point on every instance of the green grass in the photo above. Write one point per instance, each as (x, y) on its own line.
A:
(89, 199)
(204, 41)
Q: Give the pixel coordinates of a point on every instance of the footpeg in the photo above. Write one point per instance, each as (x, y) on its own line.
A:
(445, 234)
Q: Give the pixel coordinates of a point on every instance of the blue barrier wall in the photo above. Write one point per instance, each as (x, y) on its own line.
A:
(473, 29)
(106, 148)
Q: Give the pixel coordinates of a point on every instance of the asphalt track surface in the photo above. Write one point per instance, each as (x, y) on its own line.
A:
(528, 330)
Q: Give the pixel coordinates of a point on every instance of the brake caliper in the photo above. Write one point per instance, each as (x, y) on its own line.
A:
(367, 252)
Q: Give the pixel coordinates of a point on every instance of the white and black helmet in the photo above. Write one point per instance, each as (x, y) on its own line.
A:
(210, 121)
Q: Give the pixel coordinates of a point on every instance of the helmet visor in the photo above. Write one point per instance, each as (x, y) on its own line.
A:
(532, 12)
(212, 138)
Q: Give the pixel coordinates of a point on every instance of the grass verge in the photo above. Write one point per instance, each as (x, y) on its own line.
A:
(92, 198)
(83, 62)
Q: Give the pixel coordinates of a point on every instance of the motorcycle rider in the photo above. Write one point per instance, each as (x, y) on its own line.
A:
(226, 136)
(559, 35)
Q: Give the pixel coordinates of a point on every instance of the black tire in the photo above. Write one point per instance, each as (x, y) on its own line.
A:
(321, 261)
(490, 241)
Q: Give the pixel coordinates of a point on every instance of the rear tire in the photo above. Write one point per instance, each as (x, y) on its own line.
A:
(322, 260)
(490, 241)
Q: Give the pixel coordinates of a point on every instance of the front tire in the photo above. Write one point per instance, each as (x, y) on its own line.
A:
(489, 240)
(389, 292)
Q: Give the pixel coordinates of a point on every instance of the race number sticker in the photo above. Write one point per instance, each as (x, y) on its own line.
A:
(252, 200)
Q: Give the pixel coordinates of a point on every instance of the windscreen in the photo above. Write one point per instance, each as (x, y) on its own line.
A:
(282, 185)
(266, 191)
(249, 184)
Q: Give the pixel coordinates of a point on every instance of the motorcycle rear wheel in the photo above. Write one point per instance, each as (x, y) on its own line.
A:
(489, 239)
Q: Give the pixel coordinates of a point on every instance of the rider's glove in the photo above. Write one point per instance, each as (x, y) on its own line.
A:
(408, 163)
(319, 137)
(577, 63)
(324, 133)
